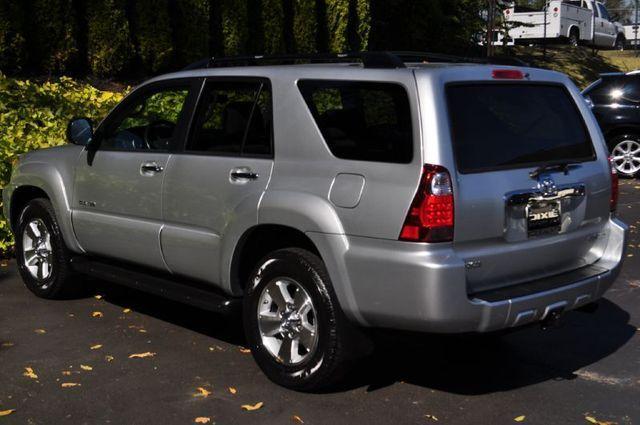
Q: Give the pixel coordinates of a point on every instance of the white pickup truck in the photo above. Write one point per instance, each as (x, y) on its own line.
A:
(573, 21)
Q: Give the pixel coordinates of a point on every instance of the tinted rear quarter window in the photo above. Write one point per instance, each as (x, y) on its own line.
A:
(499, 126)
(362, 121)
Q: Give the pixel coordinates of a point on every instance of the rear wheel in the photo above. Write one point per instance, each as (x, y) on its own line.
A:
(293, 323)
(574, 39)
(625, 154)
(43, 258)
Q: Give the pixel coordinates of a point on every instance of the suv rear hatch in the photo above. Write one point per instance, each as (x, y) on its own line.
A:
(516, 220)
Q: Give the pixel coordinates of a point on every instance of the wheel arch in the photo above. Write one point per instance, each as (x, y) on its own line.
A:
(611, 135)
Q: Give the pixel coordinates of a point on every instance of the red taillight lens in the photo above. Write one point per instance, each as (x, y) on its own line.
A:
(613, 202)
(507, 74)
(430, 217)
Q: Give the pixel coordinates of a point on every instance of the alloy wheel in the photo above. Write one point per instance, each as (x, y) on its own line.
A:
(626, 157)
(37, 250)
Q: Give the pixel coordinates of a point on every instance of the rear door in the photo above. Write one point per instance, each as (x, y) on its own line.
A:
(219, 176)
(518, 225)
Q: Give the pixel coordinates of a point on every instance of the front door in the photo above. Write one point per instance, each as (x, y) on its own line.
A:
(219, 178)
(118, 184)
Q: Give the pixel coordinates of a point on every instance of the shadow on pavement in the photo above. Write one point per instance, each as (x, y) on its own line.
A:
(481, 364)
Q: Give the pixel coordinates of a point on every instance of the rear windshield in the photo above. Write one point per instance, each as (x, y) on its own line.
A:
(362, 121)
(499, 126)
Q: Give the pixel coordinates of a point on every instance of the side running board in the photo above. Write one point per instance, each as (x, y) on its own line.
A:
(184, 290)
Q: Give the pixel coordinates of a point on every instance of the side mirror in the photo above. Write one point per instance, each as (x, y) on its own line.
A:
(80, 131)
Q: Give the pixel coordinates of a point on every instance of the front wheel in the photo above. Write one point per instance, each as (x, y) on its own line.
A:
(293, 323)
(625, 154)
(43, 258)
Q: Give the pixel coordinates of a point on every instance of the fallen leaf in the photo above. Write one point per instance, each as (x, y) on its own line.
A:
(431, 417)
(297, 419)
(520, 418)
(69, 384)
(40, 331)
(232, 390)
(66, 372)
(142, 355)
(245, 350)
(591, 419)
(97, 314)
(249, 407)
(7, 344)
(98, 297)
(29, 373)
(96, 347)
(7, 412)
(142, 331)
(202, 392)
(109, 358)
(202, 420)
(85, 367)
(126, 310)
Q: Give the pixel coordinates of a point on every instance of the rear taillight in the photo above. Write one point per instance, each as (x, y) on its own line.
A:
(613, 201)
(430, 217)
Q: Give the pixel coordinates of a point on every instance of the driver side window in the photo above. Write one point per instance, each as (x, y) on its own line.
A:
(148, 123)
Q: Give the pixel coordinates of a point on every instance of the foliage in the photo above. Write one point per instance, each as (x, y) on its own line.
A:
(152, 34)
(234, 26)
(337, 24)
(54, 35)
(35, 115)
(190, 29)
(273, 26)
(13, 52)
(109, 45)
(304, 26)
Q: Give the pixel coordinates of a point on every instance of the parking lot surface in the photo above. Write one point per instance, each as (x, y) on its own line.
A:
(123, 357)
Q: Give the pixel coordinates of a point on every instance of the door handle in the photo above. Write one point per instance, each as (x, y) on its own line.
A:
(241, 174)
(150, 168)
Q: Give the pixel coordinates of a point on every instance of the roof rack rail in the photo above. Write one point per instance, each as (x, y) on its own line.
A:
(377, 60)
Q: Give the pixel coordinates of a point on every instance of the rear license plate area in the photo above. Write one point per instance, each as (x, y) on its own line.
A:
(543, 218)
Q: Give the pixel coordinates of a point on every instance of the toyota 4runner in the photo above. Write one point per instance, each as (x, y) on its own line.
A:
(329, 197)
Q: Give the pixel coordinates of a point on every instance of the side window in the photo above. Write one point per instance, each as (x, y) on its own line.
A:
(604, 14)
(148, 123)
(362, 121)
(623, 90)
(233, 118)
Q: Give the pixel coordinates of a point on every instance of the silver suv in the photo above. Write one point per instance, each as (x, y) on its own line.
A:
(330, 197)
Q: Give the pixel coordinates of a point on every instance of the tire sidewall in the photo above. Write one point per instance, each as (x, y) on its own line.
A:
(49, 287)
(284, 264)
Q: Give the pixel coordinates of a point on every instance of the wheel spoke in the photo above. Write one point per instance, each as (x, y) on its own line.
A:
(269, 324)
(286, 350)
(30, 260)
(307, 338)
(284, 291)
(276, 296)
(300, 299)
(40, 272)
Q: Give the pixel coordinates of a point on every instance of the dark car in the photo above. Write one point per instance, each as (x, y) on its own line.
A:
(615, 100)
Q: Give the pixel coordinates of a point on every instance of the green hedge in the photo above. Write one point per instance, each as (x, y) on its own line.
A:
(35, 115)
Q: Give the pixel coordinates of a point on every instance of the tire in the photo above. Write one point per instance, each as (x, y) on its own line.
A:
(301, 274)
(625, 153)
(43, 258)
(619, 44)
(574, 39)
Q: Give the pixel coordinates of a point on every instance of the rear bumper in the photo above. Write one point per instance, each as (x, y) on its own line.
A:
(403, 286)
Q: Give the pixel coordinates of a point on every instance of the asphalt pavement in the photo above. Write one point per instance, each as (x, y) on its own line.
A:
(123, 357)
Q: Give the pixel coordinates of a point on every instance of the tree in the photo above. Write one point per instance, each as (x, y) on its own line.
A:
(109, 44)
(53, 36)
(152, 34)
(13, 52)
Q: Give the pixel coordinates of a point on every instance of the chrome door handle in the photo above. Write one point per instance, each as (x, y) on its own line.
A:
(242, 174)
(150, 168)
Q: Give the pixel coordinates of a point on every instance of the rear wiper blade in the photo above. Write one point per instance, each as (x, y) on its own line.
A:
(564, 167)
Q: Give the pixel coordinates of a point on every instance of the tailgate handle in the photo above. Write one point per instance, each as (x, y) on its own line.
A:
(563, 192)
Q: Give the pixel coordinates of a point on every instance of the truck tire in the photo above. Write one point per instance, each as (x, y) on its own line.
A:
(574, 38)
(619, 44)
(293, 323)
(43, 258)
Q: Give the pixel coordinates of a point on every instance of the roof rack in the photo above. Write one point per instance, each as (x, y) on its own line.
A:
(376, 60)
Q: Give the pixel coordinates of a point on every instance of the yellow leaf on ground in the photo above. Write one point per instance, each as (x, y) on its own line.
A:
(126, 310)
(520, 418)
(202, 420)
(97, 314)
(142, 331)
(85, 367)
(96, 347)
(6, 412)
(202, 392)
(142, 355)
(98, 297)
(66, 372)
(29, 373)
(249, 407)
(69, 384)
(431, 417)
(590, 419)
(7, 344)
(109, 358)
(297, 419)
(40, 331)
(245, 350)
(232, 390)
